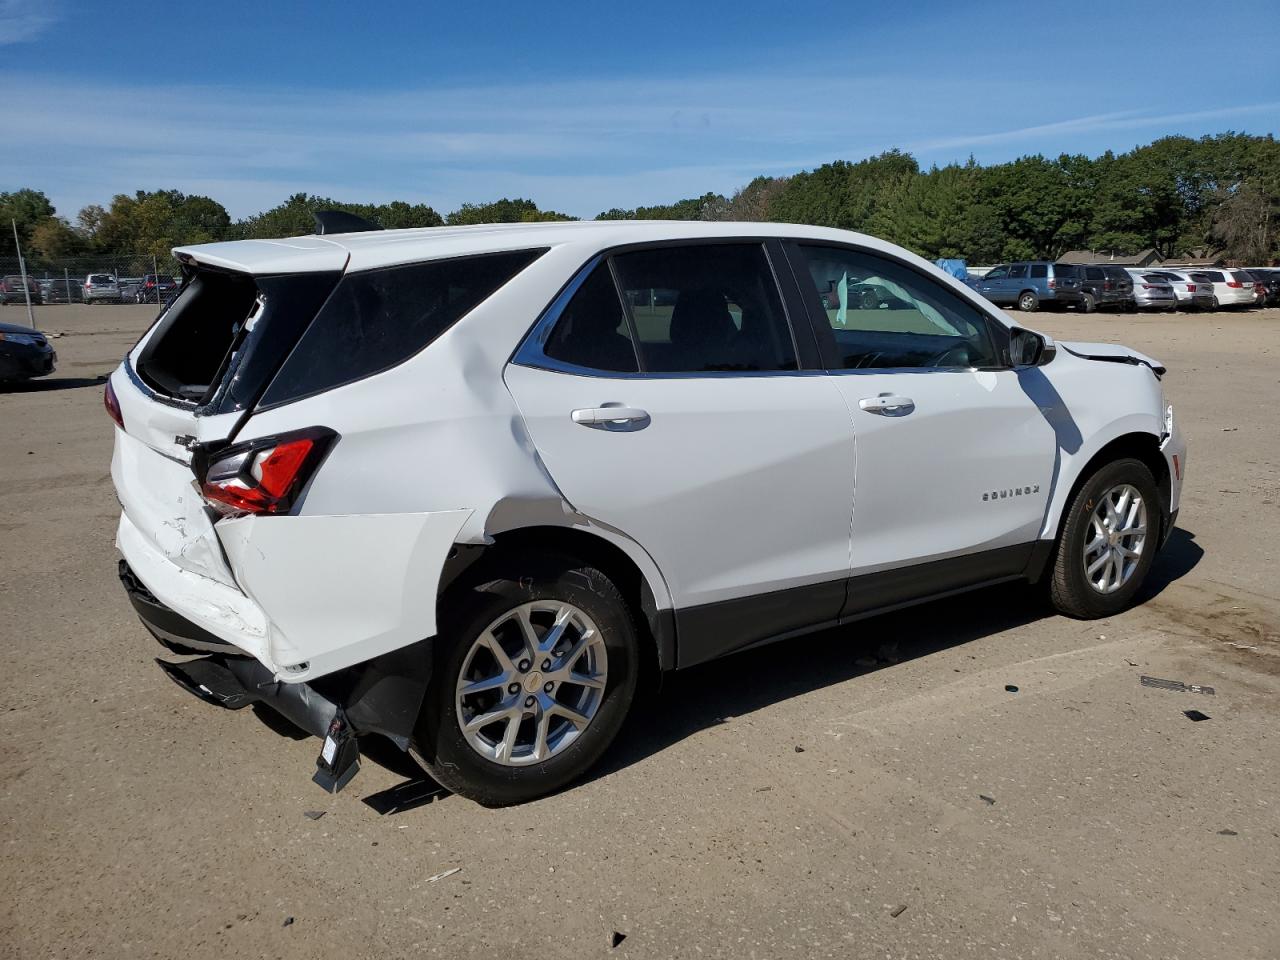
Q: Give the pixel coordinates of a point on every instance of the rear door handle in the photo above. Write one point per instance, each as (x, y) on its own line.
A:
(887, 404)
(612, 418)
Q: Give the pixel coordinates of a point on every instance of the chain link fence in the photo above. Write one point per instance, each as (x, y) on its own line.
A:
(61, 280)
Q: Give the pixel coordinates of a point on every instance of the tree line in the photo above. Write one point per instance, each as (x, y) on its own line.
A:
(1177, 195)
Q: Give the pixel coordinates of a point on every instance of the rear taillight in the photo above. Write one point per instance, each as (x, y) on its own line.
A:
(1106, 285)
(1053, 284)
(266, 475)
(1191, 288)
(112, 404)
(1234, 283)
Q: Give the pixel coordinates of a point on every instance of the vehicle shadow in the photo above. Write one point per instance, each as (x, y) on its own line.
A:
(712, 693)
(48, 385)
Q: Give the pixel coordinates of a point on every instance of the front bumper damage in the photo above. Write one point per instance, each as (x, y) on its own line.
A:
(379, 696)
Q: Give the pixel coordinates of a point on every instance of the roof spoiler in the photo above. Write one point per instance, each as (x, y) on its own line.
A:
(339, 221)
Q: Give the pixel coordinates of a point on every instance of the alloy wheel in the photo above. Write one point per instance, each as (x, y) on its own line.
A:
(1115, 540)
(531, 683)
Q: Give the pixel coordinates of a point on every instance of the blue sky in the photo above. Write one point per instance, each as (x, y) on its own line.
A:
(584, 106)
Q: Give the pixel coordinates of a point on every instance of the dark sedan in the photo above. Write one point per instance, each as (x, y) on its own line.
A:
(24, 353)
(155, 288)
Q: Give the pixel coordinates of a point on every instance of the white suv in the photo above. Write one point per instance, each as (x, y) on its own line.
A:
(463, 486)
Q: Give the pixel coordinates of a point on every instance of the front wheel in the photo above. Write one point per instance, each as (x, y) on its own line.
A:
(1108, 541)
(535, 672)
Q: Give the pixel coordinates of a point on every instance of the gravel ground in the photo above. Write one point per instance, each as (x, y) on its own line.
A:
(871, 791)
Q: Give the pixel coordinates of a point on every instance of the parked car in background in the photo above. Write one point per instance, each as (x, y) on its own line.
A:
(24, 353)
(463, 489)
(155, 288)
(1152, 291)
(101, 288)
(11, 290)
(1269, 279)
(62, 291)
(1030, 284)
(1191, 293)
(1232, 289)
(1105, 285)
(129, 287)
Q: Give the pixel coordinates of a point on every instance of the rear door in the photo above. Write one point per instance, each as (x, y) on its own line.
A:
(954, 456)
(671, 399)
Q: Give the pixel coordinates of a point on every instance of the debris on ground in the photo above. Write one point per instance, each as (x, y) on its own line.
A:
(1227, 833)
(1177, 686)
(990, 800)
(1230, 429)
(799, 749)
(1009, 687)
(898, 910)
(1195, 715)
(1129, 662)
(616, 938)
(442, 876)
(288, 922)
(313, 814)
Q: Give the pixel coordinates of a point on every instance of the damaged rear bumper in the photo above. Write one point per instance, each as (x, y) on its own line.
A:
(382, 695)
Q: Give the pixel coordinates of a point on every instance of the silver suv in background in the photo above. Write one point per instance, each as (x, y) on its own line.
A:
(1192, 291)
(1152, 291)
(101, 288)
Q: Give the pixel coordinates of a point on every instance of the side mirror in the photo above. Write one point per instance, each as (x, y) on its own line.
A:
(1029, 349)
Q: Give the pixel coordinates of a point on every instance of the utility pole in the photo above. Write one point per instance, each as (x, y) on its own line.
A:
(22, 268)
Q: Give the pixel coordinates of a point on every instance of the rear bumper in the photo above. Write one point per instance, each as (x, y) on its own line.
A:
(383, 695)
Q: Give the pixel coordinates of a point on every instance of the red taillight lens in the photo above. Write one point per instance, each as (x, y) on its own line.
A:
(265, 476)
(1106, 284)
(1053, 284)
(1191, 288)
(1234, 283)
(112, 404)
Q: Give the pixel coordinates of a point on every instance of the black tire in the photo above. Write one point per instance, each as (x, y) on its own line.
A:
(1088, 304)
(1069, 588)
(1216, 304)
(1028, 302)
(440, 743)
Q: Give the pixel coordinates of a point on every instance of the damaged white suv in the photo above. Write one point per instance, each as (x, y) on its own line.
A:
(462, 486)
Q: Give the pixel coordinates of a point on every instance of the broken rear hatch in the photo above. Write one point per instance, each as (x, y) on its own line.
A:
(184, 391)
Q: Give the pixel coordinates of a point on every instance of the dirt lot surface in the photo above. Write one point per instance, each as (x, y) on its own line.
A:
(869, 792)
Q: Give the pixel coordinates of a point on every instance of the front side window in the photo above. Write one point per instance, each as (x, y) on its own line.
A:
(884, 314)
(997, 273)
(705, 308)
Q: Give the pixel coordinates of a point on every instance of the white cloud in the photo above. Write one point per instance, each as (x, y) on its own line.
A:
(579, 147)
(23, 20)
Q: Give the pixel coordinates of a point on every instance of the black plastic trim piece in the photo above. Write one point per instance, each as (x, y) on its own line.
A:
(714, 629)
(339, 221)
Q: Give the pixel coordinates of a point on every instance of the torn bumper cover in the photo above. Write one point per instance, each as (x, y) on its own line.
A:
(383, 695)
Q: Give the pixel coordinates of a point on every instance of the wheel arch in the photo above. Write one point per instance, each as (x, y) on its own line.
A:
(627, 564)
(1139, 445)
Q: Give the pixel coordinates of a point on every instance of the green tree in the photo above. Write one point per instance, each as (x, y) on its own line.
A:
(843, 194)
(502, 211)
(53, 238)
(28, 208)
(940, 214)
(296, 216)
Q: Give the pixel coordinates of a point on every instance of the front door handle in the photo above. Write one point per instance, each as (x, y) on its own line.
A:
(612, 418)
(887, 404)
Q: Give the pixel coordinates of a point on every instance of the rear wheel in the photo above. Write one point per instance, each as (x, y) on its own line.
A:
(1216, 305)
(535, 672)
(1028, 301)
(1088, 304)
(1107, 543)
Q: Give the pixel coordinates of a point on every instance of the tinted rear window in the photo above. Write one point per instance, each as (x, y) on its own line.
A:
(1039, 270)
(1065, 270)
(377, 319)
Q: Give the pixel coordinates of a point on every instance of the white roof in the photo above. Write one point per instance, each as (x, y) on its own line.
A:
(379, 248)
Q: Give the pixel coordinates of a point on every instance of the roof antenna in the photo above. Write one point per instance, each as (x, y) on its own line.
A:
(339, 221)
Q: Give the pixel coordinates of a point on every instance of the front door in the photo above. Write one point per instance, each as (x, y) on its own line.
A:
(664, 395)
(954, 458)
